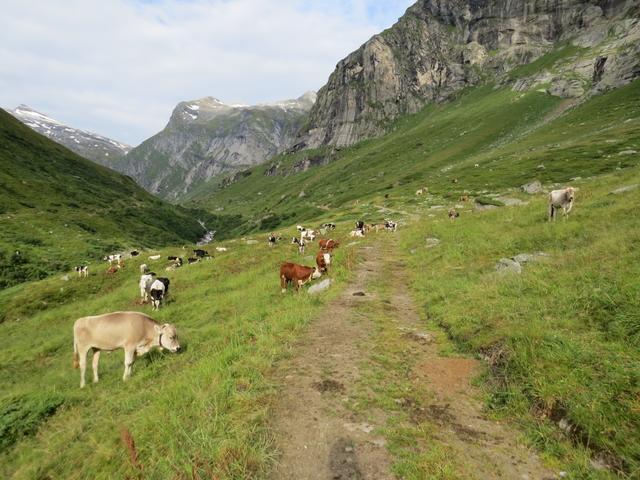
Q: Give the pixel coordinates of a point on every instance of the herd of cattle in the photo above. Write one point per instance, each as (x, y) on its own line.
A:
(138, 333)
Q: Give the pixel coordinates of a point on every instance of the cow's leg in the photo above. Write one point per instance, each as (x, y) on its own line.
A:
(283, 283)
(129, 357)
(96, 359)
(82, 353)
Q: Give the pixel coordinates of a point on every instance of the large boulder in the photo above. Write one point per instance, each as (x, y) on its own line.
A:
(320, 287)
(532, 187)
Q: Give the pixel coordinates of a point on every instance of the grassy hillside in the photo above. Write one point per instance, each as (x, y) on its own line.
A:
(198, 414)
(513, 137)
(57, 209)
(561, 339)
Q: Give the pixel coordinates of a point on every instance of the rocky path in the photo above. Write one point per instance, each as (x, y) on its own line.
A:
(319, 437)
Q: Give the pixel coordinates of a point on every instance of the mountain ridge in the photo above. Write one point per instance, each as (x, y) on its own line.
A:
(207, 137)
(98, 148)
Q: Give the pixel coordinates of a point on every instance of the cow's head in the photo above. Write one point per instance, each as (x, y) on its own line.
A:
(571, 193)
(316, 273)
(167, 337)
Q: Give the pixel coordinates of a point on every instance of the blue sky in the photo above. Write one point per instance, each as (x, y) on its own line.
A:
(118, 67)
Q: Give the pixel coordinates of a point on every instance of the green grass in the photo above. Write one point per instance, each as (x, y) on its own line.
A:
(513, 138)
(198, 414)
(58, 209)
(562, 337)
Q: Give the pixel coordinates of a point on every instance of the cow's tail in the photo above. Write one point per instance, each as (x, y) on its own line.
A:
(76, 357)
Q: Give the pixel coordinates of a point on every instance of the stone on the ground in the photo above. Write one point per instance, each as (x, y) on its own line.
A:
(626, 189)
(359, 294)
(252, 242)
(65, 278)
(508, 265)
(627, 152)
(529, 257)
(433, 242)
(532, 187)
(320, 287)
(511, 202)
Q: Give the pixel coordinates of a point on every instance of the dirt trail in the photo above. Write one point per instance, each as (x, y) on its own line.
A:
(315, 434)
(319, 438)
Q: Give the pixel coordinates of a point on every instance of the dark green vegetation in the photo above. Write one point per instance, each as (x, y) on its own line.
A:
(198, 414)
(58, 209)
(513, 137)
(561, 339)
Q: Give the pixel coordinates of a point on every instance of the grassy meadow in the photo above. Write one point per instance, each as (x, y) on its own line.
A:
(561, 339)
(197, 414)
(513, 137)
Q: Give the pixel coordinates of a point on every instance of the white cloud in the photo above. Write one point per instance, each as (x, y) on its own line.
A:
(119, 67)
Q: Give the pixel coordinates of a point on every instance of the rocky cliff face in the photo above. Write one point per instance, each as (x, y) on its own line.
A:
(441, 46)
(207, 137)
(102, 150)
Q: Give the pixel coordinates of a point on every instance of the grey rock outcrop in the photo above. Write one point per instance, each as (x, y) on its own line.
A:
(441, 46)
(532, 187)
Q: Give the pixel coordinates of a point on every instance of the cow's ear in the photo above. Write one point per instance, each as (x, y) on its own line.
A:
(158, 328)
(165, 325)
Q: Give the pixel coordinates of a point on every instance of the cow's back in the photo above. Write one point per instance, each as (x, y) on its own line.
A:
(113, 330)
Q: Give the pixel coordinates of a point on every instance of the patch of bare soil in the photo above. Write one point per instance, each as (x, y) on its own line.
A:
(316, 436)
(488, 448)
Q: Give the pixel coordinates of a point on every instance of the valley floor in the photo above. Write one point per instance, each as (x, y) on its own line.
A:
(368, 394)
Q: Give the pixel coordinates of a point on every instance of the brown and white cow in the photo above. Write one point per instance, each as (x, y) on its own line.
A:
(298, 275)
(134, 332)
(561, 199)
(323, 260)
(453, 214)
(328, 245)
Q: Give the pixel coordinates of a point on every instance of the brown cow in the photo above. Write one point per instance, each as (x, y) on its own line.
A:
(296, 274)
(328, 245)
(323, 260)
(135, 332)
(453, 214)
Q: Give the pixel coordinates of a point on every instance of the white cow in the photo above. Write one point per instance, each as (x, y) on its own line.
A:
(145, 286)
(135, 332)
(114, 258)
(356, 233)
(561, 199)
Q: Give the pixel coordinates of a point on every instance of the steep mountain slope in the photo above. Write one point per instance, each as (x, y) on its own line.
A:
(102, 150)
(206, 137)
(513, 137)
(441, 46)
(57, 208)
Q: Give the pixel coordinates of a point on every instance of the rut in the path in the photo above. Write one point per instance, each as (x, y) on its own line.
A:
(317, 437)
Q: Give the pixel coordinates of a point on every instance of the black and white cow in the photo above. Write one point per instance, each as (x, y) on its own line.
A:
(82, 271)
(300, 242)
(159, 290)
(328, 226)
(200, 253)
(390, 225)
(272, 239)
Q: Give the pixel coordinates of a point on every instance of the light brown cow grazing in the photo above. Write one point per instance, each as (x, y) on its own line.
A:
(298, 275)
(135, 332)
(453, 214)
(561, 199)
(323, 260)
(328, 245)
